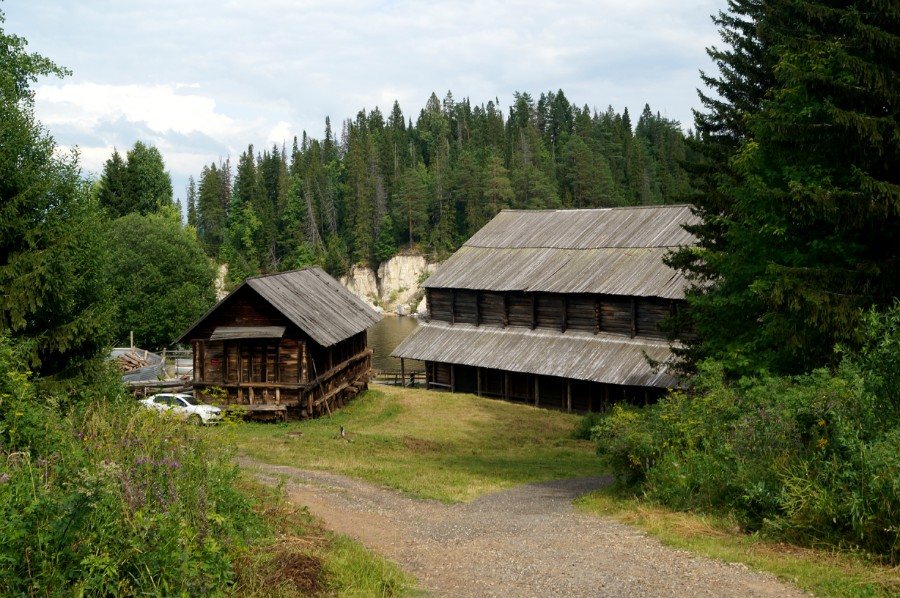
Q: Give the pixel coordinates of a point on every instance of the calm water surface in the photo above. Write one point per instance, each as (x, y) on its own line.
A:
(385, 336)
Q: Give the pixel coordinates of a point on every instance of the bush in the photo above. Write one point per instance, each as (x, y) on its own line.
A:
(110, 499)
(584, 428)
(813, 458)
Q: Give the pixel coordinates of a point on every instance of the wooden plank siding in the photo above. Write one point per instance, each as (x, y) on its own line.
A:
(549, 392)
(629, 316)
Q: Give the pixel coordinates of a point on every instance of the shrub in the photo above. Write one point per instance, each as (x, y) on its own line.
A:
(584, 427)
(812, 458)
(110, 499)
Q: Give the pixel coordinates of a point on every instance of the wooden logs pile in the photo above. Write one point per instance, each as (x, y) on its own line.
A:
(132, 361)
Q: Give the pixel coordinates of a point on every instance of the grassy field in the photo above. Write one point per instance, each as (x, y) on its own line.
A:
(434, 445)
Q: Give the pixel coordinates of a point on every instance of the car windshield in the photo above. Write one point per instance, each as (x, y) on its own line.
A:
(189, 399)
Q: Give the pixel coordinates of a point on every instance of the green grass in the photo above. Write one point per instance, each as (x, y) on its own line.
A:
(825, 574)
(301, 558)
(449, 447)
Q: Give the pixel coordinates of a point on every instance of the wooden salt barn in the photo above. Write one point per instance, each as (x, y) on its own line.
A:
(293, 343)
(556, 308)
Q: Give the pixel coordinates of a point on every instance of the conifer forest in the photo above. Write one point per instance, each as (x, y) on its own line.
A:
(384, 183)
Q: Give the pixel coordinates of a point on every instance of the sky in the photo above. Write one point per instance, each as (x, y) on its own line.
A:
(203, 79)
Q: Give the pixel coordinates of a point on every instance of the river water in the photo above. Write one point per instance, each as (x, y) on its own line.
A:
(385, 336)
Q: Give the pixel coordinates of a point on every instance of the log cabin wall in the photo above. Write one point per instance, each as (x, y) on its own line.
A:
(628, 316)
(550, 392)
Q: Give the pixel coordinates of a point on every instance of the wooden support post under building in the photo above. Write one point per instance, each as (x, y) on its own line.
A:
(478, 381)
(402, 372)
(569, 396)
(452, 378)
(537, 391)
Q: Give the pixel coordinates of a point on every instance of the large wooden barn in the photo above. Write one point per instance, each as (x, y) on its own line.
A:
(293, 342)
(556, 308)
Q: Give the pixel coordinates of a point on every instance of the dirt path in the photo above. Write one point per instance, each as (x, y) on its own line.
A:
(528, 541)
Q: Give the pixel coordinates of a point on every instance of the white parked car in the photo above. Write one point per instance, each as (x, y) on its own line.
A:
(185, 406)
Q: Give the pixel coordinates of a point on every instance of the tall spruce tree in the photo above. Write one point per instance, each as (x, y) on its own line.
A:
(802, 225)
(54, 302)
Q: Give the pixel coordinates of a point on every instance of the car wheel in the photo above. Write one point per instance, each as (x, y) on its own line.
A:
(195, 420)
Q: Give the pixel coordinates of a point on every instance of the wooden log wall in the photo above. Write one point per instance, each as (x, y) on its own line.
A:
(582, 313)
(650, 312)
(213, 360)
(520, 309)
(615, 315)
(549, 392)
(465, 306)
(440, 304)
(629, 316)
(492, 309)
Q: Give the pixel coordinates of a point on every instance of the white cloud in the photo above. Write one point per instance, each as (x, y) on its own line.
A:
(204, 79)
(164, 108)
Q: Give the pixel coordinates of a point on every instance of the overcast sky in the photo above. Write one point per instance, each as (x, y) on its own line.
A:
(202, 79)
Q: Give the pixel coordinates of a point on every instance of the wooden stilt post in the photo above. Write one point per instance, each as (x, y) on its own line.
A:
(452, 378)
(402, 372)
(569, 396)
(478, 381)
(537, 391)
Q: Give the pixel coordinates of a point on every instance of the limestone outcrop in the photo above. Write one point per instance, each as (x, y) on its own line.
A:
(395, 287)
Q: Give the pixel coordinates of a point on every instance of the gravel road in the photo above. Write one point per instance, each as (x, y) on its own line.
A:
(528, 541)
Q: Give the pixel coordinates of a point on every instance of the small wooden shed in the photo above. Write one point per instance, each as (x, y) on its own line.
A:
(556, 308)
(293, 342)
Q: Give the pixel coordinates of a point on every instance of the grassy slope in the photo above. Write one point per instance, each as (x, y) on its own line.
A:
(434, 445)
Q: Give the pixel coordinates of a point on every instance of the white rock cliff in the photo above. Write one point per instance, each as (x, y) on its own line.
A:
(395, 287)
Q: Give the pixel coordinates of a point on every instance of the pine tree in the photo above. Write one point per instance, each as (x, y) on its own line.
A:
(55, 303)
(113, 193)
(801, 230)
(148, 187)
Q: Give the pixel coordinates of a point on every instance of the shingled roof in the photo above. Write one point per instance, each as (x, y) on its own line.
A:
(312, 300)
(607, 358)
(615, 251)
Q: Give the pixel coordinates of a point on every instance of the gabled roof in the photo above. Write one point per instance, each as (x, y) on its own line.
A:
(616, 251)
(310, 299)
(602, 357)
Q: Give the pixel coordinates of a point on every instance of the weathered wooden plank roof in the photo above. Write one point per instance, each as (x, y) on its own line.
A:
(610, 251)
(607, 358)
(312, 300)
(233, 332)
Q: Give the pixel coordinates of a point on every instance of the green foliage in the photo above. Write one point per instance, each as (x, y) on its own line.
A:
(801, 199)
(812, 458)
(162, 277)
(139, 183)
(111, 499)
(51, 251)
(439, 179)
(585, 426)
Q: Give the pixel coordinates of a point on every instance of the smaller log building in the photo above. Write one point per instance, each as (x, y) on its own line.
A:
(294, 342)
(556, 308)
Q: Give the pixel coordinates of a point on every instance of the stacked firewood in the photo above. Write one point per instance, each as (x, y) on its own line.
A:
(132, 361)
